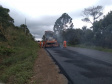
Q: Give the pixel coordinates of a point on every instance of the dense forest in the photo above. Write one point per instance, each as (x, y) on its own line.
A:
(100, 34)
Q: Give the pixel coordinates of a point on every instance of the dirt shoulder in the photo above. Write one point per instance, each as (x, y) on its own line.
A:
(45, 70)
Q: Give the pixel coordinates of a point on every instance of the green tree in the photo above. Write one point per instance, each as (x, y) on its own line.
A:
(73, 36)
(103, 31)
(25, 29)
(92, 12)
(5, 19)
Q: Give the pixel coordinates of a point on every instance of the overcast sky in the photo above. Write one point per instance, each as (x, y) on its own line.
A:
(41, 14)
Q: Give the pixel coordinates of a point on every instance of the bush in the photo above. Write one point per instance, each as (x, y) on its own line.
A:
(6, 51)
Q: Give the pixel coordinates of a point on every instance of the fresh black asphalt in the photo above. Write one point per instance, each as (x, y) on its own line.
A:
(83, 68)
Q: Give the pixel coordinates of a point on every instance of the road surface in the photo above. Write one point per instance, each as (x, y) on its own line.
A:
(84, 66)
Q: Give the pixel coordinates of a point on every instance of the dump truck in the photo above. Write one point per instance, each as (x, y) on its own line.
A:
(50, 40)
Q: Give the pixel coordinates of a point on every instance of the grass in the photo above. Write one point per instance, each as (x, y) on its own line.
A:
(16, 67)
(93, 47)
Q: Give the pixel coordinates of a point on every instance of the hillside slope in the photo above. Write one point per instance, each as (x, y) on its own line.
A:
(18, 50)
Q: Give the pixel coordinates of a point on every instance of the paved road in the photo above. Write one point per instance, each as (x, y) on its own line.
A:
(84, 66)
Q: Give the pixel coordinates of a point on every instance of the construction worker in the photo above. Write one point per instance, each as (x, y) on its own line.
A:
(64, 44)
(40, 44)
(43, 44)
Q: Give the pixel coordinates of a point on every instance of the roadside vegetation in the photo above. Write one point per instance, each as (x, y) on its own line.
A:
(18, 51)
(99, 36)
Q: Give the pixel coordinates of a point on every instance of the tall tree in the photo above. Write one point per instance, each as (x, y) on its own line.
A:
(5, 18)
(63, 23)
(5, 21)
(91, 14)
(24, 27)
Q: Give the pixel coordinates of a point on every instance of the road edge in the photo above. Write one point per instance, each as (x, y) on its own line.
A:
(60, 68)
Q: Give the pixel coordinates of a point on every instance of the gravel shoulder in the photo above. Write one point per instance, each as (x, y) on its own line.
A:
(46, 71)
